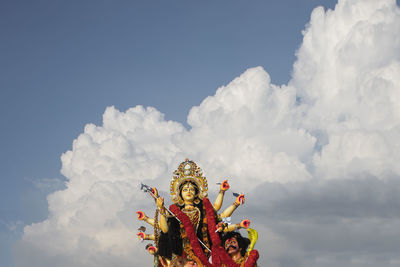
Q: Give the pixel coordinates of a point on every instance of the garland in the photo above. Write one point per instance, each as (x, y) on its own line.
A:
(194, 242)
(204, 231)
(219, 255)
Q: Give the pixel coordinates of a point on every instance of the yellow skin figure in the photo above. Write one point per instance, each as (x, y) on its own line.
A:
(188, 193)
(187, 188)
(163, 220)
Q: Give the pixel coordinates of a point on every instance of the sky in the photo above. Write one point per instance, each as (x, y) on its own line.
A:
(297, 105)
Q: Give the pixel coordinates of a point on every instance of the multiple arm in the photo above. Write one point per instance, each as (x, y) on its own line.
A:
(163, 224)
(220, 198)
(229, 210)
(143, 217)
(160, 220)
(232, 227)
(144, 236)
(224, 227)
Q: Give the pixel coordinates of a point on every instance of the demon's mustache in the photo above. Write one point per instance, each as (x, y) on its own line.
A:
(231, 246)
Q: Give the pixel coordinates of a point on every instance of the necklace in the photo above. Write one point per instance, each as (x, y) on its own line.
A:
(194, 216)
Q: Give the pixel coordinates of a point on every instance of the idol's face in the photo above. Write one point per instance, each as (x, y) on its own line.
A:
(232, 246)
(188, 192)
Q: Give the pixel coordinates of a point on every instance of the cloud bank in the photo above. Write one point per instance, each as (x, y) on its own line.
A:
(317, 157)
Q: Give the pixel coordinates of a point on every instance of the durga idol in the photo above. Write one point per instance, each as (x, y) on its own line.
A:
(191, 228)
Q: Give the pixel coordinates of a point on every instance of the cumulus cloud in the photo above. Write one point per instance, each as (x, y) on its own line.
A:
(347, 79)
(317, 157)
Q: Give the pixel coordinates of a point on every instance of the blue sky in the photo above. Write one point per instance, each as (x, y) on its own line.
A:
(64, 62)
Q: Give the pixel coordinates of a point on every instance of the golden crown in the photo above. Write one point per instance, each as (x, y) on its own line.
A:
(187, 171)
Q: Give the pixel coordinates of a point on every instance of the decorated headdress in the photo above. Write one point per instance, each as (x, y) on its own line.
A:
(187, 172)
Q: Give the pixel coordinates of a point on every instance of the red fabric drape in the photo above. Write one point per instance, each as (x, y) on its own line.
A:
(219, 255)
(194, 242)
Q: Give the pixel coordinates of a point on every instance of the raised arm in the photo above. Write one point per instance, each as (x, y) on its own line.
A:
(163, 215)
(229, 210)
(220, 198)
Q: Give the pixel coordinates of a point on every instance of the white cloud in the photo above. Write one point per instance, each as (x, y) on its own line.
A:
(246, 132)
(338, 117)
(347, 78)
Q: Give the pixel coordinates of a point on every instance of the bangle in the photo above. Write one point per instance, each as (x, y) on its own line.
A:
(163, 212)
(236, 204)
